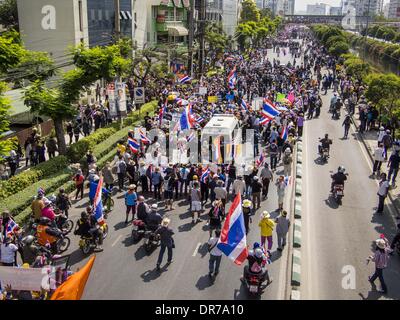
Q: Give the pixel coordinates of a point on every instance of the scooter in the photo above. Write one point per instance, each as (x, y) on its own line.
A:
(152, 240)
(89, 243)
(338, 193)
(253, 284)
(138, 230)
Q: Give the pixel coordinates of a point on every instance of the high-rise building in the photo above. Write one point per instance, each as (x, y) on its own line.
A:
(230, 15)
(319, 9)
(335, 11)
(394, 9)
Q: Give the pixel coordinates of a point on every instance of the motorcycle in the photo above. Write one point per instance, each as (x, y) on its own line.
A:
(324, 155)
(253, 283)
(152, 240)
(338, 192)
(64, 224)
(89, 243)
(138, 230)
(60, 245)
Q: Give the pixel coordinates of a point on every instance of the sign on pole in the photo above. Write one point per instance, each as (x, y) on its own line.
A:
(139, 95)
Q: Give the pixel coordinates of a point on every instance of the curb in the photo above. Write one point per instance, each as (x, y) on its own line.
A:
(369, 152)
(296, 242)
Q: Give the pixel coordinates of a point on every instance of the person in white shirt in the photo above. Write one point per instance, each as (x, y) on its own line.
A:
(239, 185)
(379, 158)
(215, 255)
(382, 192)
(8, 250)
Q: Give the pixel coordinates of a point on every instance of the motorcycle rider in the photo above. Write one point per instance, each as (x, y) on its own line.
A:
(47, 233)
(143, 209)
(87, 226)
(339, 177)
(336, 109)
(29, 250)
(325, 144)
(257, 259)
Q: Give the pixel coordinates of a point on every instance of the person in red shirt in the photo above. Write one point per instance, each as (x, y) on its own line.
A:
(79, 180)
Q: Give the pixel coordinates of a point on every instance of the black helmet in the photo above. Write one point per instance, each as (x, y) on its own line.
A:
(84, 215)
(89, 210)
(44, 221)
(28, 240)
(326, 135)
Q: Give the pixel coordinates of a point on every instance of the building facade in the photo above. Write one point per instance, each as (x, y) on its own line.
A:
(335, 11)
(230, 15)
(319, 9)
(394, 9)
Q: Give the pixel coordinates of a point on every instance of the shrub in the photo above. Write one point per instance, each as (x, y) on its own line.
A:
(339, 48)
(78, 150)
(29, 177)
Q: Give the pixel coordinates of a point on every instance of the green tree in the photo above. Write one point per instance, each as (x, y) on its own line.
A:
(383, 91)
(357, 68)
(143, 61)
(5, 145)
(9, 14)
(216, 38)
(250, 12)
(245, 32)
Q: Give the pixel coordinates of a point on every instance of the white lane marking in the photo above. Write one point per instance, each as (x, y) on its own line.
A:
(196, 250)
(116, 240)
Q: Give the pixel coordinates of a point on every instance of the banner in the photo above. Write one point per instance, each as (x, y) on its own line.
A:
(120, 97)
(212, 99)
(31, 279)
(202, 90)
(110, 90)
(230, 97)
(280, 97)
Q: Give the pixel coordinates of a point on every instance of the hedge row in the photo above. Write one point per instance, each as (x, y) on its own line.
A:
(29, 177)
(19, 201)
(102, 142)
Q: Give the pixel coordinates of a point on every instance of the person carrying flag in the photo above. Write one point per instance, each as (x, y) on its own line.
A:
(258, 260)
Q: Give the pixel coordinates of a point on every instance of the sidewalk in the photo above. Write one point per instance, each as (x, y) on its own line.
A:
(370, 142)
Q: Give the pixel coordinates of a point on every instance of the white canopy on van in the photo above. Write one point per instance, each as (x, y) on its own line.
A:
(221, 124)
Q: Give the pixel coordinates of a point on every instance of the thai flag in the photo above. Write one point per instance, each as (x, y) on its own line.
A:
(232, 241)
(260, 160)
(184, 79)
(11, 227)
(143, 137)
(97, 203)
(165, 91)
(244, 105)
(269, 109)
(181, 102)
(199, 119)
(232, 78)
(133, 145)
(288, 180)
(163, 110)
(284, 133)
(205, 175)
(265, 120)
(190, 137)
(187, 121)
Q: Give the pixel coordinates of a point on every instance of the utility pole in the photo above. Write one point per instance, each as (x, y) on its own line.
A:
(117, 9)
(202, 29)
(191, 37)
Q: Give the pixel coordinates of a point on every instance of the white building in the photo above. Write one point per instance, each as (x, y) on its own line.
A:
(386, 8)
(319, 9)
(230, 15)
(335, 11)
(394, 9)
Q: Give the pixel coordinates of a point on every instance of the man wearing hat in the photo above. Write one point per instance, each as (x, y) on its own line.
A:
(256, 188)
(246, 207)
(266, 176)
(380, 257)
(282, 228)
(266, 227)
(130, 202)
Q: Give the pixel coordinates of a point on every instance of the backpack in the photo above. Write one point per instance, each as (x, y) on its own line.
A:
(122, 167)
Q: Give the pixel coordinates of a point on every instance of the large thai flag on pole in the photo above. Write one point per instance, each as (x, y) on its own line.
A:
(265, 120)
(184, 79)
(260, 160)
(232, 78)
(11, 227)
(187, 121)
(143, 137)
(97, 203)
(205, 175)
(284, 133)
(133, 145)
(232, 241)
(269, 109)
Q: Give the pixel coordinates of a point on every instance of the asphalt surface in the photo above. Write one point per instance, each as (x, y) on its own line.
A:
(124, 270)
(336, 240)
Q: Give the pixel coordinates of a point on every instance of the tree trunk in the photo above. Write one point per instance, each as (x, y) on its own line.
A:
(58, 127)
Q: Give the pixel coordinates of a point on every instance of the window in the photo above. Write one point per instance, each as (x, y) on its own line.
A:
(148, 36)
(154, 12)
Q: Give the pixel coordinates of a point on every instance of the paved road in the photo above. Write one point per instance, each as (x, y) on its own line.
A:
(338, 239)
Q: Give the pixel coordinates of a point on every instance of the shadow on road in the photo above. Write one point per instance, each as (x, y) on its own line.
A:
(151, 275)
(186, 227)
(140, 253)
(120, 225)
(204, 282)
(76, 257)
(128, 241)
(331, 202)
